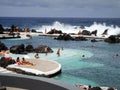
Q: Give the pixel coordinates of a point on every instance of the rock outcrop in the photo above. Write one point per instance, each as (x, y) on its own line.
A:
(5, 61)
(54, 31)
(29, 48)
(105, 32)
(1, 29)
(21, 49)
(3, 46)
(18, 49)
(94, 32)
(80, 39)
(43, 49)
(86, 32)
(113, 39)
(65, 37)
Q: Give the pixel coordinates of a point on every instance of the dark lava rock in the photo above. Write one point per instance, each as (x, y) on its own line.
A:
(43, 49)
(113, 39)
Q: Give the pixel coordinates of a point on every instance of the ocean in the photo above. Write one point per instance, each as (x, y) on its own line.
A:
(99, 67)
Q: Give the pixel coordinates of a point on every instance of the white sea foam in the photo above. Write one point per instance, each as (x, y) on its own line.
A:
(59, 26)
(66, 28)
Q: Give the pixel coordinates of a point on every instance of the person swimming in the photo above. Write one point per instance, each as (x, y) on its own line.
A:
(36, 56)
(83, 55)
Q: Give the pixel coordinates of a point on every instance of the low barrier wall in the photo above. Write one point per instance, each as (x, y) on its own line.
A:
(34, 82)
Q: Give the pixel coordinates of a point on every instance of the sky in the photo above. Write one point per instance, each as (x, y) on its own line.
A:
(60, 8)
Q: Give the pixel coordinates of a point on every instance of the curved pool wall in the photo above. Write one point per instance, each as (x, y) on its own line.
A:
(34, 83)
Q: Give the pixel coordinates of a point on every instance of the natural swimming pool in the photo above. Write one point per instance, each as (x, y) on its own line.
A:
(99, 67)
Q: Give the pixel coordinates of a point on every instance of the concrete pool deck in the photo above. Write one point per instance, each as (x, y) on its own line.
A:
(41, 67)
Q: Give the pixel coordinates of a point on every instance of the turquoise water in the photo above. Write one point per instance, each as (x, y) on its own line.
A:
(99, 67)
(70, 59)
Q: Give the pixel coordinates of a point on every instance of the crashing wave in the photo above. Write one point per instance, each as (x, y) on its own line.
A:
(67, 28)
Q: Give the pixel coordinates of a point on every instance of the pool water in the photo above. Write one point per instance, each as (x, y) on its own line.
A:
(71, 60)
(81, 63)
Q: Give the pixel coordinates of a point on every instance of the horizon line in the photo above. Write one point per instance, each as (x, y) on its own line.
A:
(52, 17)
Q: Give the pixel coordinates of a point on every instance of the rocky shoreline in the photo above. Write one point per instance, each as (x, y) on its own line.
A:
(84, 35)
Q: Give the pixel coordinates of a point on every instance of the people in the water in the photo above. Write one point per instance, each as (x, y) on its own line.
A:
(58, 52)
(83, 55)
(36, 56)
